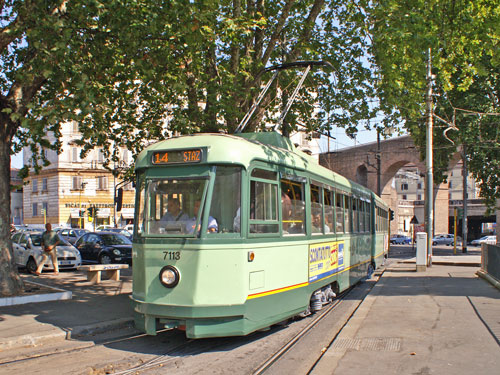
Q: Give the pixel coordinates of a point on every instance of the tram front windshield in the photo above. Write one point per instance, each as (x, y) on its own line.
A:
(176, 206)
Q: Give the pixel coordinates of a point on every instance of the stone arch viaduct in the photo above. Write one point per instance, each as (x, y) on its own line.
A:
(359, 164)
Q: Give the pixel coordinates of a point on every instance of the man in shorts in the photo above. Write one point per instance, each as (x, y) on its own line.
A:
(50, 240)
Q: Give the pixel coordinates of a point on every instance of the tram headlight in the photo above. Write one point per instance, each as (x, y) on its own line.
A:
(169, 276)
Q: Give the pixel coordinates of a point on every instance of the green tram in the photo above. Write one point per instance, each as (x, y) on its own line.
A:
(235, 233)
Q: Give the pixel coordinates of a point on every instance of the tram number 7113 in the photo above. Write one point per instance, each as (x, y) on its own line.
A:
(171, 255)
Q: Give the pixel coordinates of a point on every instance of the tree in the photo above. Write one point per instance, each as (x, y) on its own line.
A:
(124, 69)
(463, 38)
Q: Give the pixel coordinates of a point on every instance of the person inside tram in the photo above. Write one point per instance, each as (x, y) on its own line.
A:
(174, 217)
(212, 226)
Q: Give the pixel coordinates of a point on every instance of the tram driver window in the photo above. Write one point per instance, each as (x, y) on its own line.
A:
(226, 200)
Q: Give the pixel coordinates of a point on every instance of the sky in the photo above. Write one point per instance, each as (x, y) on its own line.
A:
(16, 161)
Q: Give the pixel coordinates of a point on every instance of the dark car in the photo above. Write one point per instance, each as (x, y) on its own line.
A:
(122, 231)
(71, 235)
(104, 248)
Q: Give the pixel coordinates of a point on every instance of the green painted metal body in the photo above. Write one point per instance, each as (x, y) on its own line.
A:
(221, 291)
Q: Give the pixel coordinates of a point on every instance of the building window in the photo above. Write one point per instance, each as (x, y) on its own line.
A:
(419, 197)
(450, 185)
(75, 127)
(128, 186)
(76, 183)
(75, 154)
(45, 208)
(44, 184)
(100, 155)
(35, 209)
(404, 197)
(404, 186)
(125, 157)
(419, 185)
(35, 186)
(102, 183)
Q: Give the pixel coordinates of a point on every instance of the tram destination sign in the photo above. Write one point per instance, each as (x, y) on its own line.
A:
(194, 155)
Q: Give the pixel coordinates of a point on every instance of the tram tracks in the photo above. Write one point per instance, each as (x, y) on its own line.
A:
(328, 341)
(291, 343)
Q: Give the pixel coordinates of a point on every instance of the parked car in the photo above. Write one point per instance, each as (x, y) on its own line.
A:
(492, 240)
(122, 231)
(400, 239)
(71, 235)
(445, 239)
(104, 227)
(104, 248)
(27, 246)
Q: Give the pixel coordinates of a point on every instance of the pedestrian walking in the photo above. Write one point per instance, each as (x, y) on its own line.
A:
(50, 240)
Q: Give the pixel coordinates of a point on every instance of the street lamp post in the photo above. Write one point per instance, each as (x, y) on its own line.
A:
(121, 165)
(80, 217)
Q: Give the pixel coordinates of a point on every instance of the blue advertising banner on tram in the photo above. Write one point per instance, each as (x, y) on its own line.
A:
(325, 259)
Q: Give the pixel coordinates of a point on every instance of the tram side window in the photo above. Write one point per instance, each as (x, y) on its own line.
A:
(263, 207)
(339, 217)
(355, 218)
(293, 207)
(362, 218)
(378, 224)
(316, 210)
(329, 210)
(367, 217)
(226, 200)
(347, 213)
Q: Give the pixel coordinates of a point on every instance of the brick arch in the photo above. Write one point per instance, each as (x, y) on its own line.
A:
(395, 153)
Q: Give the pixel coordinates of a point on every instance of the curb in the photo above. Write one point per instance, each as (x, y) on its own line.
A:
(447, 263)
(489, 278)
(58, 294)
(61, 334)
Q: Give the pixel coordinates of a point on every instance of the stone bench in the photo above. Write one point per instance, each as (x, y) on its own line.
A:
(94, 271)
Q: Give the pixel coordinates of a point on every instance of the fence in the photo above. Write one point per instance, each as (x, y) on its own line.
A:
(490, 264)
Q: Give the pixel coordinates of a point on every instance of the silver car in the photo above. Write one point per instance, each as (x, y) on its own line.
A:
(71, 235)
(492, 240)
(445, 239)
(28, 252)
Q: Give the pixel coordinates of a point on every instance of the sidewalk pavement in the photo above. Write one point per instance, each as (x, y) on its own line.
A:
(443, 320)
(93, 309)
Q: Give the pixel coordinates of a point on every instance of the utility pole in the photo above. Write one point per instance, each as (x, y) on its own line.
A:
(379, 192)
(429, 185)
(464, 199)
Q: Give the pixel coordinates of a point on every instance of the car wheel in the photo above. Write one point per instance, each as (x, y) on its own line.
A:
(434, 243)
(104, 259)
(31, 265)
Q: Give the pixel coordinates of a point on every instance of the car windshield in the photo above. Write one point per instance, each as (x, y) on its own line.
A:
(114, 239)
(79, 232)
(62, 240)
(36, 239)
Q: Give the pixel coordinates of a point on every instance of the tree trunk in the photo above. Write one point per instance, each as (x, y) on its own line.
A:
(10, 282)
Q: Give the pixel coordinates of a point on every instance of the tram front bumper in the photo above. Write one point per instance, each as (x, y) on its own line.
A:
(199, 321)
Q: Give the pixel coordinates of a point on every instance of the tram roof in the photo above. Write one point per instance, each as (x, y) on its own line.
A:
(245, 148)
